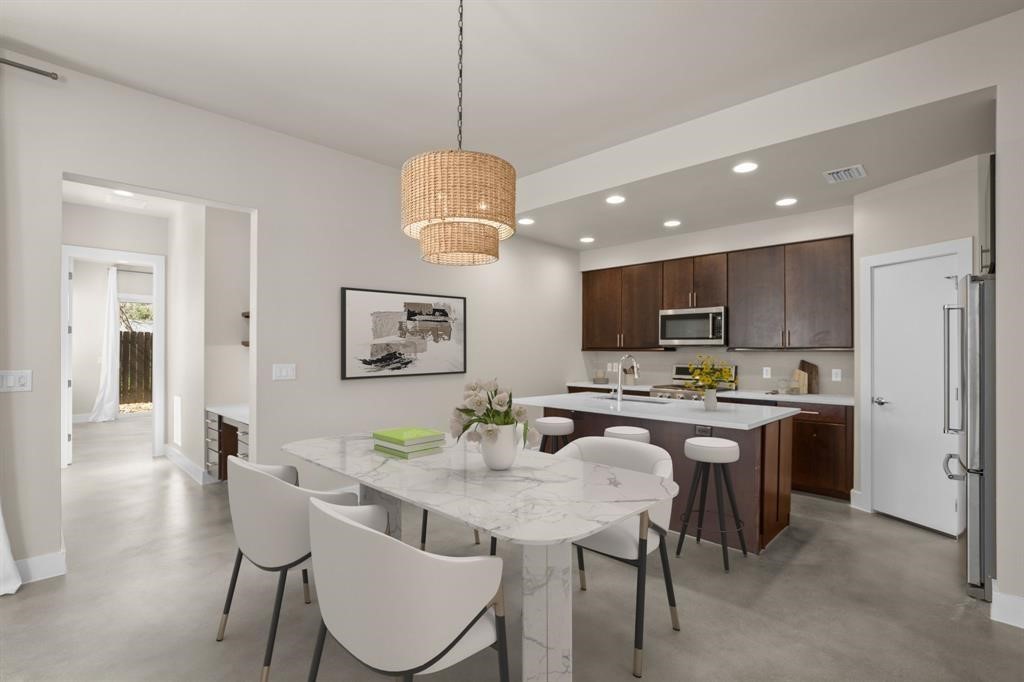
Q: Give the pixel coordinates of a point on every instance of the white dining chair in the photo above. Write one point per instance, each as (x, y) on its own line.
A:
(628, 541)
(398, 610)
(270, 517)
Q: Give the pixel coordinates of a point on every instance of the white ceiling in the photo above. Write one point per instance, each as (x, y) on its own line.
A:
(545, 82)
(711, 195)
(104, 197)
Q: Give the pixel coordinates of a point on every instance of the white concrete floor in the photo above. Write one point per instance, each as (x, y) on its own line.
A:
(841, 595)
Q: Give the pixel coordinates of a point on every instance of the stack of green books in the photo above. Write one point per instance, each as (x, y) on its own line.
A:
(408, 443)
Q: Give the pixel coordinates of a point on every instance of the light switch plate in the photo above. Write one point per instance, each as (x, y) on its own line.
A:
(13, 380)
(766, 372)
(285, 372)
(837, 375)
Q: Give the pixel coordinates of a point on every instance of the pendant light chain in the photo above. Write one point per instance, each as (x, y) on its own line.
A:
(460, 75)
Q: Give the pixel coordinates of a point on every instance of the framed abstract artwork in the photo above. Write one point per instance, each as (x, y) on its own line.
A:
(397, 333)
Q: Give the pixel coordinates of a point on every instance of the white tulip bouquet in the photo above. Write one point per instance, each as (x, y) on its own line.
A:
(485, 407)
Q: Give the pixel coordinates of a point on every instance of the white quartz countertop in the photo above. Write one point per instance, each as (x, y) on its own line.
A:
(727, 416)
(817, 398)
(541, 500)
(239, 412)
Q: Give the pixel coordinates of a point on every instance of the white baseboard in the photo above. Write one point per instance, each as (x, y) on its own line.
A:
(79, 418)
(43, 566)
(194, 471)
(1007, 608)
(858, 501)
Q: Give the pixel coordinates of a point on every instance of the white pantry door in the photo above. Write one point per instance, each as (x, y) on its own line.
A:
(907, 439)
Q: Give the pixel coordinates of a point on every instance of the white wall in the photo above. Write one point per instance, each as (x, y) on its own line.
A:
(227, 297)
(89, 305)
(324, 220)
(186, 278)
(104, 228)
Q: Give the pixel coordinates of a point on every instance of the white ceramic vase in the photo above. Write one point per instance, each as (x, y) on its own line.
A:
(710, 399)
(499, 452)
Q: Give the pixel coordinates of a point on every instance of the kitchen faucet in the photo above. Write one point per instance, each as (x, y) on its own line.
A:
(636, 373)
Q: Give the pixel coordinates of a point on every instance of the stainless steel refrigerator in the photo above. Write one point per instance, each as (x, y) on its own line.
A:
(970, 399)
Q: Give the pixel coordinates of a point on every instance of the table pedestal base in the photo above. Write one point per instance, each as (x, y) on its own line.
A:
(547, 613)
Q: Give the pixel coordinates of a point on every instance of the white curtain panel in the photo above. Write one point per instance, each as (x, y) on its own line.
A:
(107, 403)
(10, 579)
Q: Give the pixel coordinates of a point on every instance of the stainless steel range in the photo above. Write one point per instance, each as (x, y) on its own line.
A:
(683, 386)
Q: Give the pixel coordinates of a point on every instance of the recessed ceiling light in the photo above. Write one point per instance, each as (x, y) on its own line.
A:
(615, 199)
(586, 240)
(745, 167)
(672, 223)
(526, 221)
(786, 201)
(123, 193)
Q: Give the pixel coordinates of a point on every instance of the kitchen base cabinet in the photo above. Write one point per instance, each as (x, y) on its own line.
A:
(225, 437)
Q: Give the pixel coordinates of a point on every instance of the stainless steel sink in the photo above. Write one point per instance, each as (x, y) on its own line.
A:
(649, 401)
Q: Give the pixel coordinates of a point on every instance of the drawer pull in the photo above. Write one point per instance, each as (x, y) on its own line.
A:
(211, 440)
(809, 412)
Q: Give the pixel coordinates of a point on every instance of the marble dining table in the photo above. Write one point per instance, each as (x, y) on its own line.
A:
(543, 503)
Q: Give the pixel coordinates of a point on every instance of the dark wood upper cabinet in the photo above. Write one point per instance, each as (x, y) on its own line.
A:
(602, 308)
(710, 280)
(641, 303)
(677, 291)
(756, 295)
(819, 294)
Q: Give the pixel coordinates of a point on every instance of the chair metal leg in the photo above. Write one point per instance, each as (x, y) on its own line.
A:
(273, 626)
(499, 622)
(669, 587)
(705, 474)
(735, 510)
(720, 504)
(423, 531)
(583, 571)
(641, 593)
(494, 546)
(231, 594)
(305, 586)
(318, 652)
(688, 509)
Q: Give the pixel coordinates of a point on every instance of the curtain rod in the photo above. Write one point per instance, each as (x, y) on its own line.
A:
(26, 67)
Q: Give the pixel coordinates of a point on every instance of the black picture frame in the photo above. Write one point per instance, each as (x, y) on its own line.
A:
(345, 354)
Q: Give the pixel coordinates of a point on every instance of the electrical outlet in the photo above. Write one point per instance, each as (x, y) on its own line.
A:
(766, 372)
(837, 375)
(284, 372)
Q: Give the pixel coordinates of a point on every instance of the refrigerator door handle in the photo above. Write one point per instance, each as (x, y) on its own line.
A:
(946, 426)
(949, 474)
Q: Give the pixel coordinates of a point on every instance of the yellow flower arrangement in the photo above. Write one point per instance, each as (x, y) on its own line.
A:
(707, 373)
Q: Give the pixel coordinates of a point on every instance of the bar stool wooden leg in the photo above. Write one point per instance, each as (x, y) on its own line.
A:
(735, 510)
(720, 504)
(705, 474)
(688, 509)
(544, 443)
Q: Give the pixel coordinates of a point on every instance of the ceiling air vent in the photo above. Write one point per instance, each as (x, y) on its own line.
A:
(845, 174)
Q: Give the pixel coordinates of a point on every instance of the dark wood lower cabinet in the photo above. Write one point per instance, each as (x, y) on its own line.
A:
(761, 477)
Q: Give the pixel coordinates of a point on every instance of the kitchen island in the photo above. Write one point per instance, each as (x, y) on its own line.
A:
(761, 477)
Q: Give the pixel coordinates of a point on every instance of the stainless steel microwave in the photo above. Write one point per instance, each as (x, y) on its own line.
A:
(692, 327)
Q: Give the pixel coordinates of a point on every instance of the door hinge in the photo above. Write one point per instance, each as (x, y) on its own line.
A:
(71, 275)
(69, 437)
(69, 329)
(69, 383)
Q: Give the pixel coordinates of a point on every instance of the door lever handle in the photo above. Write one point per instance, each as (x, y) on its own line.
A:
(880, 401)
(949, 474)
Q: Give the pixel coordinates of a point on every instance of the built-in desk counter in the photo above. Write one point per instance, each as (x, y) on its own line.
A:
(227, 434)
(761, 477)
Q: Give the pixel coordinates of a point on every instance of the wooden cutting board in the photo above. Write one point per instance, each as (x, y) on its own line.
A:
(812, 375)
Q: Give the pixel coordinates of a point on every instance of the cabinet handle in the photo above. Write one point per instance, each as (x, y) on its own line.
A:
(809, 412)
(695, 299)
(210, 440)
(789, 338)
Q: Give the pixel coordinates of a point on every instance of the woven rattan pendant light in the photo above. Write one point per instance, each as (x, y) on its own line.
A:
(458, 204)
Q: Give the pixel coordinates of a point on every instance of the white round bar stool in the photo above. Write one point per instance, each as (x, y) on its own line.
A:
(554, 432)
(628, 433)
(712, 455)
